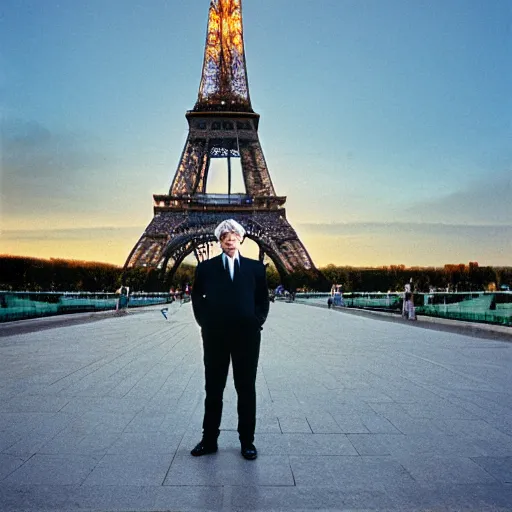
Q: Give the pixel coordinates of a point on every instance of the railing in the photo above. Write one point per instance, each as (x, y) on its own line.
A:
(203, 199)
(240, 201)
(483, 307)
(23, 305)
(222, 199)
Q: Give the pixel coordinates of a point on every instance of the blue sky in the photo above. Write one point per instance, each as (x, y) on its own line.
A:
(387, 123)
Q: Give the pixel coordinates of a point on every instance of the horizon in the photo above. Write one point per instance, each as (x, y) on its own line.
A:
(194, 263)
(386, 125)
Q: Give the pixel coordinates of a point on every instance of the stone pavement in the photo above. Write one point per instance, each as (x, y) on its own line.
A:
(353, 414)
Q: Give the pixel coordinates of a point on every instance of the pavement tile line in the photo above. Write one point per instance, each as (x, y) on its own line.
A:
(468, 328)
(149, 370)
(141, 342)
(112, 360)
(353, 414)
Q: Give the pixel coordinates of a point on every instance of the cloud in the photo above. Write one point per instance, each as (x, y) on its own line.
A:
(411, 243)
(100, 233)
(43, 169)
(32, 150)
(484, 201)
(110, 244)
(406, 229)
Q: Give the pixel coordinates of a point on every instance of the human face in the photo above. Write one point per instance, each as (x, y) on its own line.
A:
(230, 243)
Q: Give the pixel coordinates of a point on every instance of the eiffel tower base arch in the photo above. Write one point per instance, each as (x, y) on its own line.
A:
(173, 235)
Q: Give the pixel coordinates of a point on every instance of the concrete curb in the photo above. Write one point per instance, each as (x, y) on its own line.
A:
(477, 330)
(52, 322)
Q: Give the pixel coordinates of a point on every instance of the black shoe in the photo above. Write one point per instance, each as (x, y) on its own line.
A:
(249, 451)
(203, 448)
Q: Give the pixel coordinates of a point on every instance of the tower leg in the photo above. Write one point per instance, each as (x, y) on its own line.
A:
(229, 175)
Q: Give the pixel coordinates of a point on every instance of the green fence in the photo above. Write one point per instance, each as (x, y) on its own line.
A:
(483, 307)
(23, 305)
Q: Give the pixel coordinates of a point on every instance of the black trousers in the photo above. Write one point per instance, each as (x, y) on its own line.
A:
(243, 349)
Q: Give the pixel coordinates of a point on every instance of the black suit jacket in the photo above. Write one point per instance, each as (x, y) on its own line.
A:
(219, 301)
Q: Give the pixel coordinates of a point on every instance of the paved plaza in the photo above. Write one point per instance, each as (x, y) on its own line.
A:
(354, 413)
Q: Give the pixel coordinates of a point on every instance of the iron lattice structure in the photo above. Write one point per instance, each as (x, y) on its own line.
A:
(222, 124)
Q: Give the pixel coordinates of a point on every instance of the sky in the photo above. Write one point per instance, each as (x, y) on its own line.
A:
(386, 123)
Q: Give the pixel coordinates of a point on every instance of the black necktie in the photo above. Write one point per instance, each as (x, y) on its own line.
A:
(226, 268)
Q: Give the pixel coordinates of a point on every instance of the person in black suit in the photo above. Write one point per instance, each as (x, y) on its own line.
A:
(230, 303)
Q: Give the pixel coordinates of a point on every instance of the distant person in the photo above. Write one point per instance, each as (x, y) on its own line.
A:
(122, 301)
(408, 309)
(329, 302)
(230, 302)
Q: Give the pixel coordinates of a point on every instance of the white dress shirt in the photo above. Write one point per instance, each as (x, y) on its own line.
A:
(231, 263)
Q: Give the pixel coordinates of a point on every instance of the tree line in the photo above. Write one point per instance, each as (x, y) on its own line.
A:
(19, 273)
(450, 277)
(33, 274)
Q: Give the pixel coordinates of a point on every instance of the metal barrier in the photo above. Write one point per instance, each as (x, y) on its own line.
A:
(23, 305)
(483, 307)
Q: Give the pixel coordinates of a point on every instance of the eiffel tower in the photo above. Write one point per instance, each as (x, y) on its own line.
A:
(223, 125)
